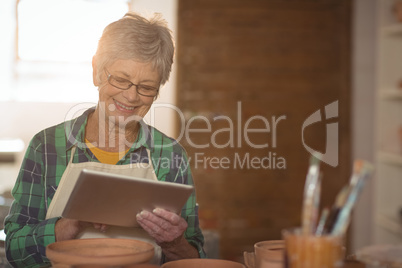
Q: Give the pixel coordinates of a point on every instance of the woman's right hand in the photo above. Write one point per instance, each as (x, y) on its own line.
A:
(66, 229)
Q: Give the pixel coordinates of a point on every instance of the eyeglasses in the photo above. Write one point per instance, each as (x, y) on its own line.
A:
(124, 84)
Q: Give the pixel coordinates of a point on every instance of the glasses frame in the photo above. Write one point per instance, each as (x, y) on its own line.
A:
(109, 75)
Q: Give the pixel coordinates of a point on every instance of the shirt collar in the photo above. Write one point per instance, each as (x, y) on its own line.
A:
(75, 133)
(75, 130)
(144, 137)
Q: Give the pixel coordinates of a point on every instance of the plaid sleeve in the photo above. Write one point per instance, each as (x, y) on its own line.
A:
(189, 212)
(27, 231)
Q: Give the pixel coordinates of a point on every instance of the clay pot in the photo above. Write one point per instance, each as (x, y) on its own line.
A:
(99, 252)
(144, 266)
(202, 263)
(98, 266)
(269, 254)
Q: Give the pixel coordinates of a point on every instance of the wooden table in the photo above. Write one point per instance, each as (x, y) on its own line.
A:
(353, 264)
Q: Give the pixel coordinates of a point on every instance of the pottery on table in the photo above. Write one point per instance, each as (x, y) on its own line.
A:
(102, 266)
(269, 254)
(202, 263)
(99, 252)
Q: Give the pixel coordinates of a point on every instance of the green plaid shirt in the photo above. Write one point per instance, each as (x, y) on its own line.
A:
(28, 232)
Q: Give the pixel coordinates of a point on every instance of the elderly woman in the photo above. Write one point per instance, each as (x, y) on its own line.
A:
(133, 59)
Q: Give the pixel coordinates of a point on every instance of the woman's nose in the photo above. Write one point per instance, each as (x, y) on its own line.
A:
(131, 94)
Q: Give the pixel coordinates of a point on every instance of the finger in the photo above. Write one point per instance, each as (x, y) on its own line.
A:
(149, 220)
(151, 217)
(162, 237)
(101, 227)
(104, 228)
(150, 228)
(162, 223)
(160, 229)
(145, 214)
(171, 217)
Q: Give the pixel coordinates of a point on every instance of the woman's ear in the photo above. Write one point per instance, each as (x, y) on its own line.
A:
(94, 71)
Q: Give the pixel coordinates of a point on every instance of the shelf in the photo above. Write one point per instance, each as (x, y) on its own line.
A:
(387, 113)
(392, 30)
(391, 95)
(390, 158)
(391, 224)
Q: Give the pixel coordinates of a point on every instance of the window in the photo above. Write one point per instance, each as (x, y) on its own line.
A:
(56, 40)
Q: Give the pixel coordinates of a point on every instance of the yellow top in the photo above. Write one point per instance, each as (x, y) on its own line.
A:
(104, 156)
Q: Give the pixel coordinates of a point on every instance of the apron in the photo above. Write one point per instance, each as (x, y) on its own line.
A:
(68, 180)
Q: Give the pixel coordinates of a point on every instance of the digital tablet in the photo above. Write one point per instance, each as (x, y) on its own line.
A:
(111, 199)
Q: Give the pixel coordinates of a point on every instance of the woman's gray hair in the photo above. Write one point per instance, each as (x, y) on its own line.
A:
(137, 38)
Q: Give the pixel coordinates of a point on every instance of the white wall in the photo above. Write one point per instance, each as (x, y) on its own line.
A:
(363, 90)
(7, 33)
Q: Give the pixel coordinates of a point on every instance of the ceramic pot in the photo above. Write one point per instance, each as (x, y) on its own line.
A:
(202, 263)
(269, 254)
(99, 252)
(101, 266)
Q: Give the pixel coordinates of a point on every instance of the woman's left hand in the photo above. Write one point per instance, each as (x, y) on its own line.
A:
(167, 228)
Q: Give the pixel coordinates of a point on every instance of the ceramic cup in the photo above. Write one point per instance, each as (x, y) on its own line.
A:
(305, 251)
(269, 254)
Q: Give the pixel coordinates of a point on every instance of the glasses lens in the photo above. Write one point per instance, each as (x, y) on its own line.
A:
(124, 84)
(119, 82)
(147, 91)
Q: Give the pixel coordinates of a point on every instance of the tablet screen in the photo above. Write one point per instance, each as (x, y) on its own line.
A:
(112, 199)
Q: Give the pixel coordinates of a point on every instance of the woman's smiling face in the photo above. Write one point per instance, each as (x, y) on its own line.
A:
(126, 105)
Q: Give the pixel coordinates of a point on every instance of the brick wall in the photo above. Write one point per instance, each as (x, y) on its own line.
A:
(250, 60)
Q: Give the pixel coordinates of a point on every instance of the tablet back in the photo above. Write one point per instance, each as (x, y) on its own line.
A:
(111, 199)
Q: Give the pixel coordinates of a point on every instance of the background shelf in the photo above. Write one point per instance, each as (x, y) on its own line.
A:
(390, 158)
(391, 94)
(392, 224)
(393, 29)
(388, 113)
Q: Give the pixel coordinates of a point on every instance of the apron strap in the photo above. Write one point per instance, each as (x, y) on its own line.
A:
(151, 164)
(72, 154)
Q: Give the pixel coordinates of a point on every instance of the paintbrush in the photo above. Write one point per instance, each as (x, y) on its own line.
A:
(316, 202)
(333, 214)
(362, 170)
(310, 199)
(321, 223)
